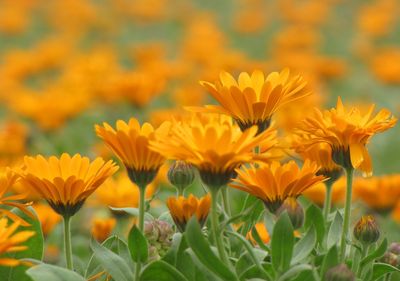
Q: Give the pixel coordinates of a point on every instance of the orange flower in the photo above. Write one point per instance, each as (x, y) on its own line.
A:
(214, 145)
(10, 241)
(262, 232)
(65, 182)
(102, 228)
(275, 182)
(347, 131)
(130, 143)
(182, 209)
(317, 192)
(7, 179)
(252, 100)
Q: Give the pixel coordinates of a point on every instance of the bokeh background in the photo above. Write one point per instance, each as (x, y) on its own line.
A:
(66, 65)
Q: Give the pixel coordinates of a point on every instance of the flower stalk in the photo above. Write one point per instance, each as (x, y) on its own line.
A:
(142, 202)
(328, 200)
(67, 242)
(347, 213)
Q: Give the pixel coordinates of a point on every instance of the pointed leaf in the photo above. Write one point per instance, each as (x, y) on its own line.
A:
(282, 243)
(54, 273)
(335, 230)
(161, 271)
(137, 244)
(305, 245)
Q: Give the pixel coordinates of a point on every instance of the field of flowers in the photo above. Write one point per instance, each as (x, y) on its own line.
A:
(199, 140)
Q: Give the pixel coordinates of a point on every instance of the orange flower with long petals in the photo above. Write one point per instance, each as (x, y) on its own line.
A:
(183, 209)
(275, 182)
(65, 182)
(10, 242)
(347, 131)
(253, 99)
(130, 142)
(215, 145)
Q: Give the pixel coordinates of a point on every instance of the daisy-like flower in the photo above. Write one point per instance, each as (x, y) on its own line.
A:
(215, 145)
(10, 241)
(253, 99)
(102, 228)
(275, 182)
(347, 131)
(65, 182)
(130, 142)
(183, 209)
(7, 179)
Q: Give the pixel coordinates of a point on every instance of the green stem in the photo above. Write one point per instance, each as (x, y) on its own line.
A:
(180, 191)
(328, 200)
(225, 200)
(214, 226)
(364, 252)
(67, 242)
(347, 212)
(142, 202)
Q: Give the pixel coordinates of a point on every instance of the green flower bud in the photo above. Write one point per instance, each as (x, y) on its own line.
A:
(294, 210)
(339, 273)
(159, 236)
(366, 231)
(181, 174)
(151, 231)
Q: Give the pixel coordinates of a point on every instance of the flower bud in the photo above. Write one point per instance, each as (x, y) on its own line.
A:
(394, 248)
(366, 231)
(339, 273)
(181, 174)
(294, 210)
(159, 235)
(151, 231)
(392, 256)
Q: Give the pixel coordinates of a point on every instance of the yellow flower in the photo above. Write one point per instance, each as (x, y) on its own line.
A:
(65, 182)
(10, 241)
(47, 217)
(183, 209)
(317, 192)
(275, 182)
(130, 143)
(119, 193)
(262, 232)
(379, 193)
(347, 131)
(214, 145)
(252, 100)
(320, 153)
(102, 228)
(7, 179)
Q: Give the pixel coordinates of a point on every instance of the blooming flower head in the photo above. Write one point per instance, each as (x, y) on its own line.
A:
(7, 179)
(130, 142)
(275, 182)
(214, 144)
(320, 153)
(378, 193)
(183, 209)
(347, 131)
(102, 228)
(119, 193)
(253, 99)
(65, 182)
(317, 193)
(10, 241)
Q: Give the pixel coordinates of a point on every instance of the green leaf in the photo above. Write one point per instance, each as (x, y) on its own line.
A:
(171, 256)
(330, 260)
(295, 271)
(282, 243)
(113, 264)
(161, 271)
(252, 254)
(54, 273)
(116, 245)
(137, 244)
(381, 269)
(305, 245)
(203, 252)
(314, 217)
(335, 230)
(379, 252)
(307, 275)
(34, 250)
(133, 212)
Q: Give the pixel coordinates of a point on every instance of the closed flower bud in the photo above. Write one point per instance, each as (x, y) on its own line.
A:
(181, 174)
(159, 235)
(392, 256)
(294, 210)
(366, 231)
(394, 248)
(339, 273)
(151, 231)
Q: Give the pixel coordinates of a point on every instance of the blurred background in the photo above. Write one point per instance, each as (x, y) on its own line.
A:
(66, 65)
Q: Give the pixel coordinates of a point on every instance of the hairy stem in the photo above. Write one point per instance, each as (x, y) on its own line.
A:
(347, 213)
